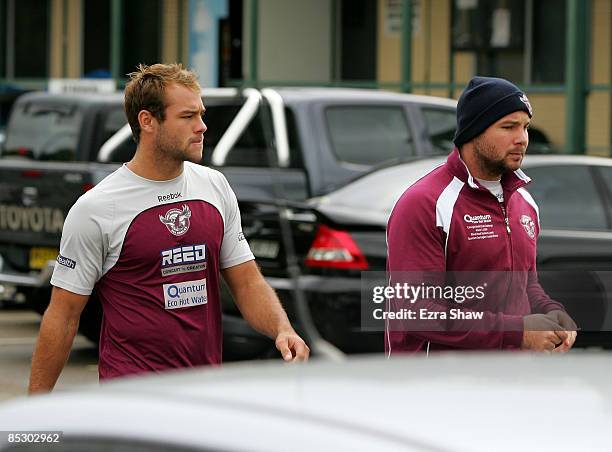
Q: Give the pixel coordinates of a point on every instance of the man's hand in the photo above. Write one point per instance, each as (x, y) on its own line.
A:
(292, 347)
(541, 333)
(261, 307)
(568, 324)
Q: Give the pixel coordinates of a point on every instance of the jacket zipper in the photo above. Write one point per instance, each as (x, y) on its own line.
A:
(503, 209)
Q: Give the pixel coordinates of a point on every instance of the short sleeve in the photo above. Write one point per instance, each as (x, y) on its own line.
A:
(235, 249)
(83, 247)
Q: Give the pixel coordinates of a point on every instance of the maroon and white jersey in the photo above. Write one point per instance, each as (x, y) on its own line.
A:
(152, 251)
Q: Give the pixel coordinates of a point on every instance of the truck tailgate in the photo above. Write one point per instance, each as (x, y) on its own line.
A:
(34, 200)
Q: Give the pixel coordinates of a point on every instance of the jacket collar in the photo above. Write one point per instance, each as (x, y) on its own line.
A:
(511, 181)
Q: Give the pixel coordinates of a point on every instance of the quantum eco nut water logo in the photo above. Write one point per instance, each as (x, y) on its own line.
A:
(185, 294)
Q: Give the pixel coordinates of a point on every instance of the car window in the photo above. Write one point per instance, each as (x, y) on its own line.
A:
(606, 174)
(114, 120)
(251, 148)
(567, 197)
(43, 131)
(441, 125)
(369, 135)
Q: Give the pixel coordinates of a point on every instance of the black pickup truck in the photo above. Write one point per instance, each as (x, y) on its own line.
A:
(292, 143)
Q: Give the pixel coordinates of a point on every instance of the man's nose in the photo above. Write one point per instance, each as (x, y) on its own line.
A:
(201, 128)
(523, 137)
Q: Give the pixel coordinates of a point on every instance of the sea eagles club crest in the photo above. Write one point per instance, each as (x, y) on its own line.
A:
(177, 221)
(529, 225)
(525, 100)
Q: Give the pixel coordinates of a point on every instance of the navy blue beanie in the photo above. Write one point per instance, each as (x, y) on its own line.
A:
(485, 101)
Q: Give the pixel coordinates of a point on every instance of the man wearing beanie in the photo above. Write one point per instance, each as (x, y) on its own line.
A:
(471, 223)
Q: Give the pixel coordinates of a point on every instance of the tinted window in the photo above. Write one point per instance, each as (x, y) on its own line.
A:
(142, 30)
(369, 135)
(43, 131)
(96, 38)
(251, 148)
(31, 38)
(441, 126)
(567, 198)
(249, 151)
(549, 18)
(606, 174)
(114, 120)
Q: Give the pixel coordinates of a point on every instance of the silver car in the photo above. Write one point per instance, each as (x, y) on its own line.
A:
(464, 402)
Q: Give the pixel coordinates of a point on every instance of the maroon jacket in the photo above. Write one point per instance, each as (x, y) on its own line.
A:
(448, 222)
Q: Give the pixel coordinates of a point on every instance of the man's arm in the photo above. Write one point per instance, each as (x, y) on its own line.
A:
(57, 330)
(261, 307)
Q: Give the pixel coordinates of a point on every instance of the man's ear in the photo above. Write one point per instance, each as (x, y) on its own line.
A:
(147, 121)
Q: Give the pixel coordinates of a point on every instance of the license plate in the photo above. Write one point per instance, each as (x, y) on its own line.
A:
(40, 256)
(266, 249)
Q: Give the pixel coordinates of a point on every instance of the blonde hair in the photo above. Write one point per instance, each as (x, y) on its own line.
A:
(147, 88)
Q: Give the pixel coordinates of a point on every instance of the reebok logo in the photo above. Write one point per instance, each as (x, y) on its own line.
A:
(66, 262)
(169, 197)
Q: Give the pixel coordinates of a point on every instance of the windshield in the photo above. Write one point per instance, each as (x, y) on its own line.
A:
(43, 131)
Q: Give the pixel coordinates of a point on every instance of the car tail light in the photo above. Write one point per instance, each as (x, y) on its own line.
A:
(24, 152)
(86, 187)
(32, 173)
(335, 249)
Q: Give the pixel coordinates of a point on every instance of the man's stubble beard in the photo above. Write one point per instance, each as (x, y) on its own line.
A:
(483, 151)
(167, 149)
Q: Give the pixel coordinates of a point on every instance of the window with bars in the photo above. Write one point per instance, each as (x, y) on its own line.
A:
(521, 40)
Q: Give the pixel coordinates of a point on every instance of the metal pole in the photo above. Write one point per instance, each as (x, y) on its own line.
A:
(65, 38)
(333, 57)
(10, 39)
(254, 43)
(116, 39)
(406, 76)
(576, 61)
(451, 57)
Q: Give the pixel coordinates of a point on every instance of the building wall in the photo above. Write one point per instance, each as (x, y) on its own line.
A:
(66, 51)
(171, 31)
(297, 43)
(431, 48)
(295, 40)
(549, 116)
(389, 48)
(599, 104)
(73, 39)
(56, 49)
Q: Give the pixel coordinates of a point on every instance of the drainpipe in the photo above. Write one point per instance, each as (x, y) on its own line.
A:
(116, 40)
(253, 76)
(576, 61)
(406, 75)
